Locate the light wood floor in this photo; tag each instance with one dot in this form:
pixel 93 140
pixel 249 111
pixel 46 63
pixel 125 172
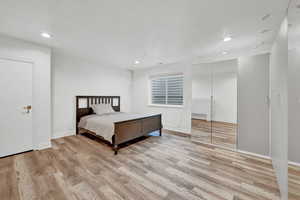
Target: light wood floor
pixel 218 133
pixel 294 182
pixel 167 167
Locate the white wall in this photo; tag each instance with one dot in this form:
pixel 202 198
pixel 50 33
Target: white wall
pixel 40 56
pixel 73 76
pixel 294 105
pixel 253 109
pixel 279 107
pixel 178 119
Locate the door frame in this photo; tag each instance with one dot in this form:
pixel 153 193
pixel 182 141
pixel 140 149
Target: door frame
pixel 29 61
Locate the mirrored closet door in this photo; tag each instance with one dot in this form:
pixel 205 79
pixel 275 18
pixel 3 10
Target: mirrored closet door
pixel 214 104
pixel 224 104
pixel 201 105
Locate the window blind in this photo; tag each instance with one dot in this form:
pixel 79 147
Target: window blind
pixel 167 90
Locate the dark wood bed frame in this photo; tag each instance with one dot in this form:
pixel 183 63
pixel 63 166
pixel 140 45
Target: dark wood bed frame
pixel 125 131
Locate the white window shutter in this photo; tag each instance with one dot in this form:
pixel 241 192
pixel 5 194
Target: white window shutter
pixel 167 90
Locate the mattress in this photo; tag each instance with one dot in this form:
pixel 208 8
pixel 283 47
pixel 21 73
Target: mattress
pixel 103 125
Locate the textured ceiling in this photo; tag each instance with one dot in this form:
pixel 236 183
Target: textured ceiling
pixel 115 33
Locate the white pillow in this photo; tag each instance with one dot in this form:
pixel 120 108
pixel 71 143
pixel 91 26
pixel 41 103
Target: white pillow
pixel 109 108
pixel 101 109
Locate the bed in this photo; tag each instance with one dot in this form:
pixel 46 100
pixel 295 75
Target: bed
pixel 115 128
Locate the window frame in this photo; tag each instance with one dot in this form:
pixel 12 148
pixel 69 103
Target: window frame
pixel 165 76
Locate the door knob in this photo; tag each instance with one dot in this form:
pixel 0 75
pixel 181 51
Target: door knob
pixel 27 108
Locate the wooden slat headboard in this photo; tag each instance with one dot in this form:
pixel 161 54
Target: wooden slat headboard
pixel 92 100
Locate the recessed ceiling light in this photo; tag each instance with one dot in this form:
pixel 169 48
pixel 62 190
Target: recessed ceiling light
pixel 46 35
pixel 227 39
pixel 224 52
pixel 137 62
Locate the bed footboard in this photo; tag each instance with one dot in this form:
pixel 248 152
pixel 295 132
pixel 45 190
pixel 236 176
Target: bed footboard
pixel 132 129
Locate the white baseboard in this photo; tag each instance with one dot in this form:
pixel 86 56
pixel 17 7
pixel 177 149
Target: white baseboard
pixel 44 145
pixel 254 154
pixel 177 130
pixel 294 163
pixel 200 116
pixel 61 134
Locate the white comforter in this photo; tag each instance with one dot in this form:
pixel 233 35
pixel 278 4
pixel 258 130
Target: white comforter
pixel 103 125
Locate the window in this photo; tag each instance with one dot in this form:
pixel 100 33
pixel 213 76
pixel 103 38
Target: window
pixel 167 90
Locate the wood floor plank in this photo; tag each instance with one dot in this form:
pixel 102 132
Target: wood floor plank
pixel 218 133
pixel 8 179
pixel 157 168
pixel 294 182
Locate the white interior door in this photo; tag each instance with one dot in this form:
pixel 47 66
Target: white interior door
pixel 16 100
pixel 253 104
